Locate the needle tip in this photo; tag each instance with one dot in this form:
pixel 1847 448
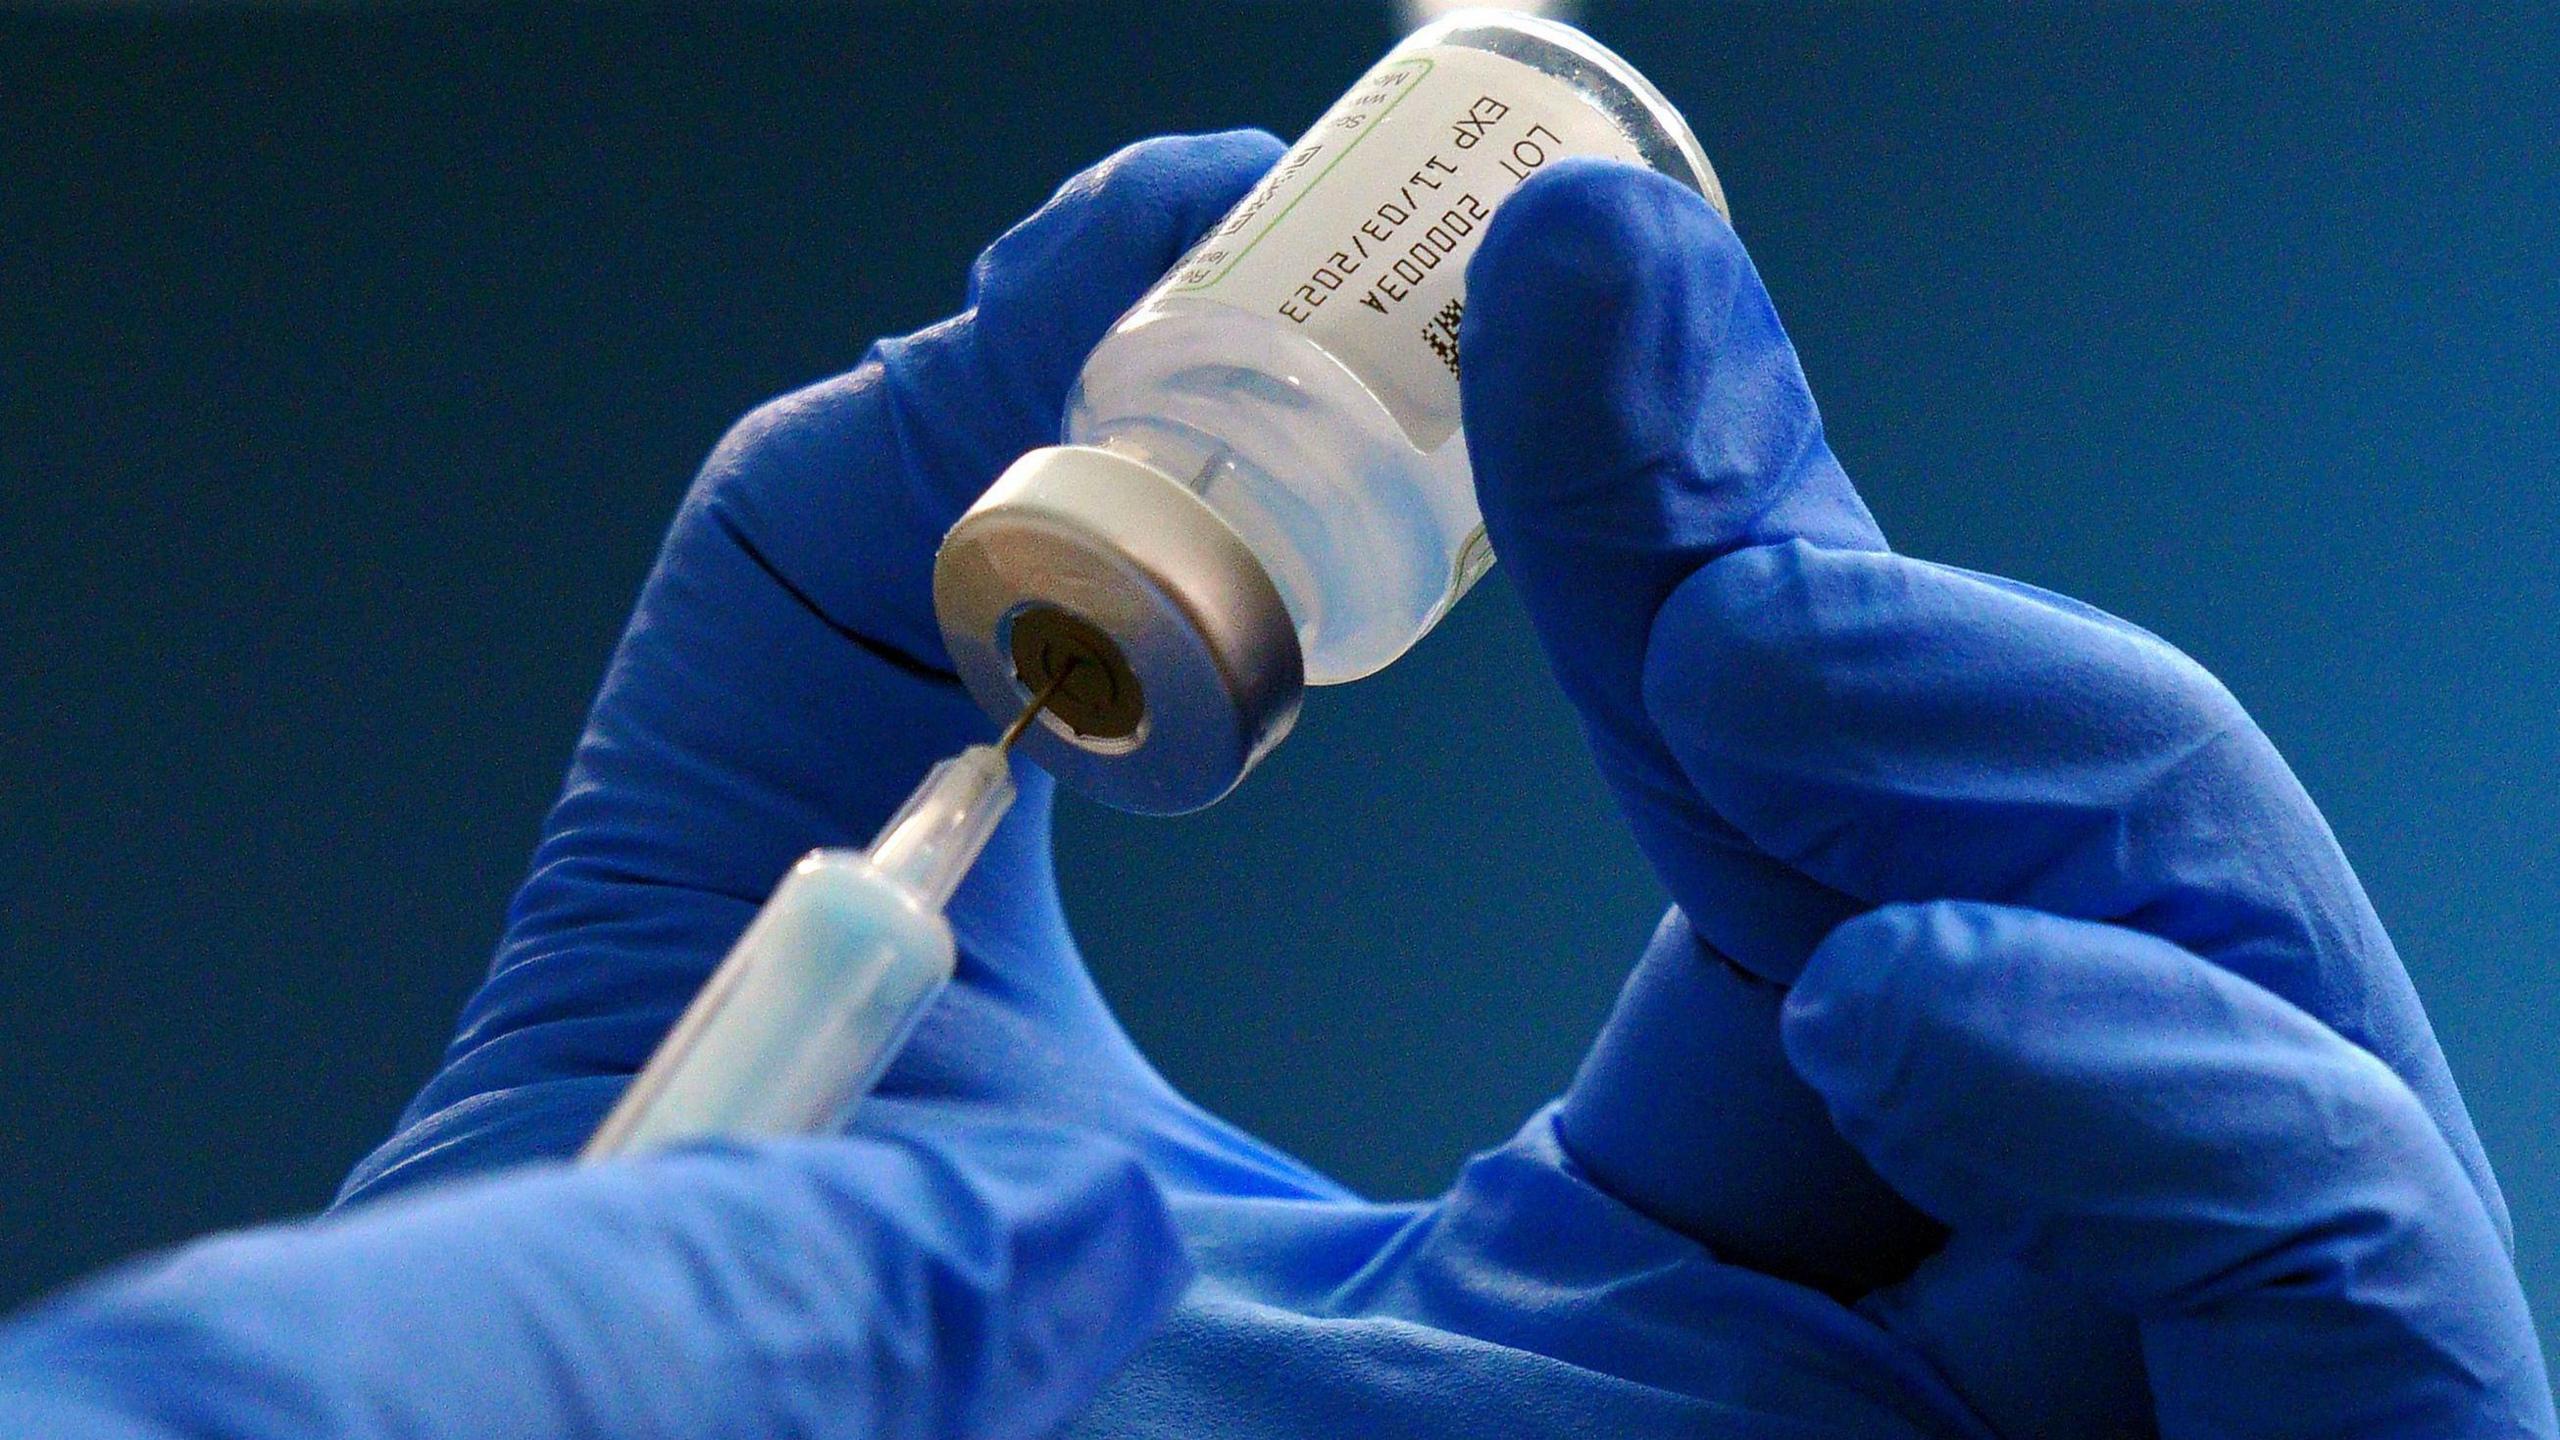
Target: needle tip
pixel 1031 712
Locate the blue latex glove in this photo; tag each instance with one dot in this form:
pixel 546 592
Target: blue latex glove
pixel 2176 1103
pixel 851 1288
pixel 2209 1134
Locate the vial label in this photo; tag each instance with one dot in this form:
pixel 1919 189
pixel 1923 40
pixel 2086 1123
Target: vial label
pixel 1360 236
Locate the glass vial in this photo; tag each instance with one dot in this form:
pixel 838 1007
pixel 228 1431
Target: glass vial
pixel 1264 483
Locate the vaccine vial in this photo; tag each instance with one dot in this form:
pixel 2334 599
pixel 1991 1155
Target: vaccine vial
pixel 1264 483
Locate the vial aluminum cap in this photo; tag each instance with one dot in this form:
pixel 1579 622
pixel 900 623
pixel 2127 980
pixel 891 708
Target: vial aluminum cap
pixel 1181 664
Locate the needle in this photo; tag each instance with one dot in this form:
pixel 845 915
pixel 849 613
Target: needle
pixel 1038 703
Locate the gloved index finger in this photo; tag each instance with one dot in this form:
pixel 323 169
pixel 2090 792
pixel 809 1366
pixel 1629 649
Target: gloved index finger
pixel 846 487
pixel 1899 731
pixel 2300 1250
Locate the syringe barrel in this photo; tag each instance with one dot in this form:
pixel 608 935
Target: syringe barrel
pixel 796 1025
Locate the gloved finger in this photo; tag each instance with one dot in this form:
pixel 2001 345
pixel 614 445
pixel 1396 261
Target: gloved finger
pixel 1896 731
pixel 1634 410
pixel 846 487
pixel 809 1289
pixel 1687 1110
pixel 2300 1248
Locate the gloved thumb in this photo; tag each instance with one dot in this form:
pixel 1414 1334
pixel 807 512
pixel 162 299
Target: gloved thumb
pixel 1633 410
pixel 2271 1205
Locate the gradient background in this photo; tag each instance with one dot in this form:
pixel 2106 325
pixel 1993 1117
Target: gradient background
pixel 351 363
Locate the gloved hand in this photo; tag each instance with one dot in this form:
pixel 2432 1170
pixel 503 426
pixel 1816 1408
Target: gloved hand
pixel 813 1287
pixel 2076 965
pixel 2146 1124
pixel 975 1268
pixel 783 686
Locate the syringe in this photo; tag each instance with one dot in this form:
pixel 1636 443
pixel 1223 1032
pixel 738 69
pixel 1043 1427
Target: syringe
pixel 817 996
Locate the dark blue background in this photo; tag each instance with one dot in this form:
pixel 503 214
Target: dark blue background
pixel 351 364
